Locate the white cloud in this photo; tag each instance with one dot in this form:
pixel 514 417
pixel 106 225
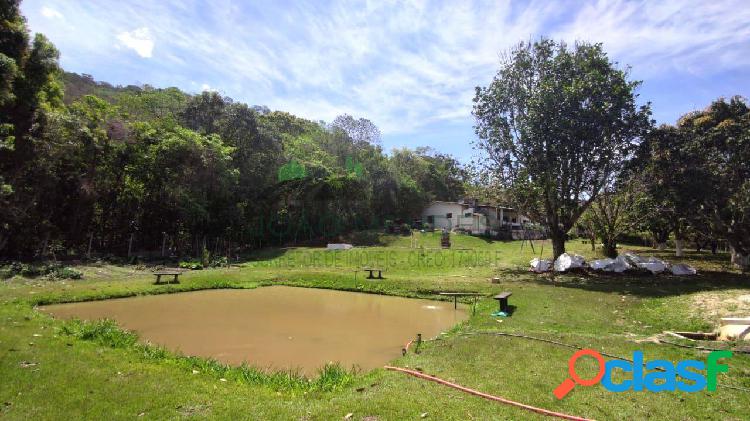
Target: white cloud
pixel 402 64
pixel 669 36
pixel 51 13
pixel 138 40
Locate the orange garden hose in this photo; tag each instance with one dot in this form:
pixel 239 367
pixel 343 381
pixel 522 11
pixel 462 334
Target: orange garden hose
pixel 486 395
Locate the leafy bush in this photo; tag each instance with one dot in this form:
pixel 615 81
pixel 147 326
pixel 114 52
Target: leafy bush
pixel 67 273
pixel 52 270
pixel 405 229
pixel 30 271
pixel 191 265
pixel 219 262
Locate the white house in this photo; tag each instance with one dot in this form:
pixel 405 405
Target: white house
pixel 455 215
pixel 469 215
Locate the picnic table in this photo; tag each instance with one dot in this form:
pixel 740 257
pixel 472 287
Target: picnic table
pixel 455 296
pixel 167 272
pixel 371 270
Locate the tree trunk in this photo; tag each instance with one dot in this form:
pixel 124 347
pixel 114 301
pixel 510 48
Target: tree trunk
pixel 91 239
pixel 678 244
pixel 558 242
pixel 740 260
pixel 609 249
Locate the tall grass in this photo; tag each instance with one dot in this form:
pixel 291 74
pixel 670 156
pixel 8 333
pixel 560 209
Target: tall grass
pixel 330 377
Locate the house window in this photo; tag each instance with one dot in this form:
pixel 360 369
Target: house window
pixel 431 219
pixel 467 214
pixel 449 215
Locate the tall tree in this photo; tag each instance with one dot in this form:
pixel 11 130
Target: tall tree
pixel 359 130
pixel 29 85
pixel 665 169
pixel 612 214
pixel 719 141
pixel 557 123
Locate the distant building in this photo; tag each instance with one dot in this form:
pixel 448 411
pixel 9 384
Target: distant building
pixel 471 216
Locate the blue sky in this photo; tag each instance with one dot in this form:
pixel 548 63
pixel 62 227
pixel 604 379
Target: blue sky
pixel 409 66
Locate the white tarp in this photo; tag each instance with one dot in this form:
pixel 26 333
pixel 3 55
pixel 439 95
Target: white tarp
pixel 683 269
pixel 634 259
pixel 601 264
pixel 619 264
pixel 629 261
pixel 656 266
pixel 566 261
pixel 651 264
pixel 339 246
pixel 539 265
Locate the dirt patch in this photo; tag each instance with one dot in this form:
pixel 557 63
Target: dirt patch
pixel 714 306
pixel 199 410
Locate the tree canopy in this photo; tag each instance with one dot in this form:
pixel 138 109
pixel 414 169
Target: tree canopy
pixel 557 123
pixel 114 168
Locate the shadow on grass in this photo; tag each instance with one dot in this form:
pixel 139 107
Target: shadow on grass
pixel 641 285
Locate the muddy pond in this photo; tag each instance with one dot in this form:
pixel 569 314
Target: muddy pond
pixel 276 327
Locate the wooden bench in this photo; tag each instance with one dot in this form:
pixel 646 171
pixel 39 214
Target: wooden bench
pixel 167 272
pixel 502 299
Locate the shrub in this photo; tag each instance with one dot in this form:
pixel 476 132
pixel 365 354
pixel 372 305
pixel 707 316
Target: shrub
pixel 191 265
pixel 219 262
pixel 30 271
pixel 405 229
pixel 67 273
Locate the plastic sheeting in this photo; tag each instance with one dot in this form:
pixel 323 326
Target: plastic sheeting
pixel 601 264
pixel 651 264
pixel 656 266
pixel 539 265
pixel 618 265
pixel 621 263
pixel 683 269
pixel 566 261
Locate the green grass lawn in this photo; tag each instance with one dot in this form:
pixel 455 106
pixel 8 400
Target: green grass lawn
pixel 52 369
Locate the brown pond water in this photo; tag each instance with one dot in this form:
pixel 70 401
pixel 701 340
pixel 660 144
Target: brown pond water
pixel 276 327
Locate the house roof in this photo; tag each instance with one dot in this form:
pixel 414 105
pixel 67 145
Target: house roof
pixel 468 205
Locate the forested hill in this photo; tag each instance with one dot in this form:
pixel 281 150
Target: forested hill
pixel 77 86
pixel 85 165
